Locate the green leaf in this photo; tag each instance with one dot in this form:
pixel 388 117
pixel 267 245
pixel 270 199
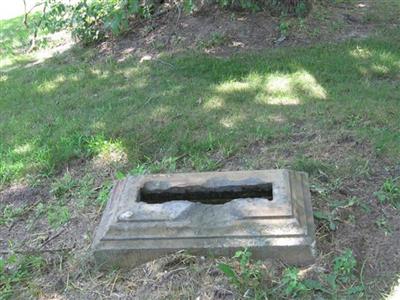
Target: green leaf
pixel 381 197
pixel 326 217
pixel 355 290
pixel 238 254
pixel 134 6
pixel 332 225
pixel 315 285
pixel 331 279
pixel 321 215
pixel 2 265
pixel 228 271
pixel 119 175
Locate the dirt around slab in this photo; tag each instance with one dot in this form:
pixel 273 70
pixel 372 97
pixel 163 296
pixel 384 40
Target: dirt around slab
pixel 376 248
pixel 224 32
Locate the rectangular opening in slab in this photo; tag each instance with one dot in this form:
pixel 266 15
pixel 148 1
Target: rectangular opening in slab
pixel 156 193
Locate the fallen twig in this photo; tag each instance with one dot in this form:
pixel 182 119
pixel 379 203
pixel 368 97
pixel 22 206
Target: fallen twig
pixel 53 237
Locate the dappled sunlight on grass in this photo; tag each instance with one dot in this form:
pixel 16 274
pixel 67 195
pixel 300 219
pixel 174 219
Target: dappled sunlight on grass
pixel 109 151
pixel 279 84
pixel 51 85
pixel 11 63
pixel 379 69
pixel 231 121
pixel 378 64
pixel 275 89
pixel 360 52
pixel 152 110
pixel 132 71
pixel 98 126
pixel 100 73
pixel 298 85
pixel 6 62
pixel 234 87
pixel 282 100
pixel 278 118
pixel 306 83
pixel 23 149
pixel 214 103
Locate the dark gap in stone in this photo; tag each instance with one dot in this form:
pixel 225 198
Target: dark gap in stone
pixel 204 194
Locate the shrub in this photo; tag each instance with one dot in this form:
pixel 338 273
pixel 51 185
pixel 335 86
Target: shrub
pixel 91 21
pixel 16 272
pixel 389 192
pixel 247 277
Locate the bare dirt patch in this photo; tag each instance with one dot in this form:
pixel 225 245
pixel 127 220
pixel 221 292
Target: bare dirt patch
pixel 224 32
pixel 71 272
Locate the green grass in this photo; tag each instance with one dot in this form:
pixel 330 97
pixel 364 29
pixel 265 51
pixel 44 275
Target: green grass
pixel 389 192
pixel 8 213
pixel 383 11
pixel 58 216
pixel 16 270
pixel 180 112
pixel 342 282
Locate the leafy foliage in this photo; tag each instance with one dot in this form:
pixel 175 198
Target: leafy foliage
pixel 340 282
pixel 16 270
pixel 292 284
pixel 247 277
pixel 94 20
pixel 90 20
pixel 389 192
pixel 344 266
pixel 332 217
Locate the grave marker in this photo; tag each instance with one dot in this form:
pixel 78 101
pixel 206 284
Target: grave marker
pixel 208 213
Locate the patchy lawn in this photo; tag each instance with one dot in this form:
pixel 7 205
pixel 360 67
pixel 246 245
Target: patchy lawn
pixel 72 123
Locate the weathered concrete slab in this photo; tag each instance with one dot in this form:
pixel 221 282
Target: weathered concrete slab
pixel 208 213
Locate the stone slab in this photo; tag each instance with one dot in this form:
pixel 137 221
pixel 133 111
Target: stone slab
pixel 215 213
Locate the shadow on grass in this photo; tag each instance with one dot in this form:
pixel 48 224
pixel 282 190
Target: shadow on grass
pixel 195 106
